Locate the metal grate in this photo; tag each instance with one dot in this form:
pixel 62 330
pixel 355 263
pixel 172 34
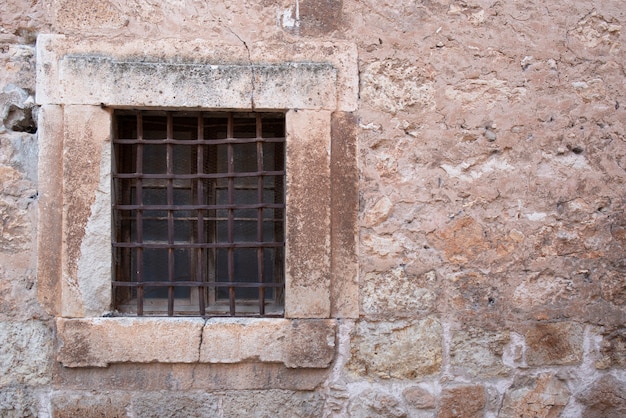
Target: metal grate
pixel 198 213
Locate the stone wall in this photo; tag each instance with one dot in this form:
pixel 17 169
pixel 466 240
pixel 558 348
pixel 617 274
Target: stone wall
pixel 492 231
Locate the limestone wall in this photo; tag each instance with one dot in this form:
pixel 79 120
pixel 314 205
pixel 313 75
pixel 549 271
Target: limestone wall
pixel 491 141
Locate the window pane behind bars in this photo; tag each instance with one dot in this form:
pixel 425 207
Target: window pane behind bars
pixel 199 213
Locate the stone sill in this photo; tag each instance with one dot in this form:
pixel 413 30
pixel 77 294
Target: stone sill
pixel 98 342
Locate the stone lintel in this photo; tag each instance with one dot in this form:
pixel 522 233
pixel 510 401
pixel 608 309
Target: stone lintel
pixel 98 342
pixel 196 73
pixel 93 80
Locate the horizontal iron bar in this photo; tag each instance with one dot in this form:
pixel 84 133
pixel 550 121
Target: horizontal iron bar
pixel 197 284
pixel 165 176
pixel 199 207
pixel 199 245
pixel 165 141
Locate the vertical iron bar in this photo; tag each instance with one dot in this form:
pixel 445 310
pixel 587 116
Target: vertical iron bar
pixel 200 214
pixel 170 215
pixel 259 229
pixel 139 213
pixel 231 215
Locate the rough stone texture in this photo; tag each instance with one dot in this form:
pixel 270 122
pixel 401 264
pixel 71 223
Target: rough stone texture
pixel 490 144
pixel 605 398
pixel 479 353
pixel 17 402
pixel 543 396
pixel 269 403
pixel 613 350
pixel 372 403
pixel 25 353
pixel 100 341
pixel 462 401
pixel 401 349
pixel 174 404
pixel 196 376
pixel 65 404
pixel 307 269
pixel 553 344
pixel 344 196
pixel 396 294
pixel 97 342
pixel 419 398
pixel 297 344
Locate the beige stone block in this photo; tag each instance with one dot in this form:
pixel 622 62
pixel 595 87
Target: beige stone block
pixel 25 353
pixel 376 403
pixel 479 352
pixel 86 211
pixel 551 344
pixel 310 343
pixel 606 398
pixel 543 396
pixel 282 76
pixel 174 403
pixel 188 376
pixel 93 80
pixel 236 340
pixel 418 397
pixel 272 403
pixel 400 349
pixel 398 294
pixel 296 343
pixel 50 221
pixel 344 212
pixel 307 267
pixel 65 404
pixel 101 341
pixel 462 401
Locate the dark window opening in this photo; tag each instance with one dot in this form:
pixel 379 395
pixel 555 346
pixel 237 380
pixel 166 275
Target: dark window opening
pixel 198 213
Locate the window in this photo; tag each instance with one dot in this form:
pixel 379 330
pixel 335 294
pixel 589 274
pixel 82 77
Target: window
pixel 113 180
pixel 198 213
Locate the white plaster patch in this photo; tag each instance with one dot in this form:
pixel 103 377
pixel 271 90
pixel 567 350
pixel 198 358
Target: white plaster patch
pixel 536 216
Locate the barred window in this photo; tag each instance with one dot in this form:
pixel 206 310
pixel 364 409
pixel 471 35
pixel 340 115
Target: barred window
pixel 198 213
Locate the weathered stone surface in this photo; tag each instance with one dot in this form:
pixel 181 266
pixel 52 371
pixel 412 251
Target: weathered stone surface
pixel 554 344
pixel 307 266
pixel 465 401
pixel 25 353
pixel 543 396
pixel 478 352
pixel 606 398
pixel 393 85
pixel 419 398
pixel 344 197
pixel 401 349
pixel 100 341
pixel 613 349
pixel 16 109
pixel 297 344
pixel 18 402
pixel 193 376
pixel 310 343
pixel 396 294
pixel 372 403
pixel 268 403
pixel 172 404
pixel 66 404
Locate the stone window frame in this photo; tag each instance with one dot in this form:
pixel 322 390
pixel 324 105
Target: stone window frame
pixel 80 82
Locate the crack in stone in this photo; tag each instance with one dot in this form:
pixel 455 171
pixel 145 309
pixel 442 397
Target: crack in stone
pixel 252 85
